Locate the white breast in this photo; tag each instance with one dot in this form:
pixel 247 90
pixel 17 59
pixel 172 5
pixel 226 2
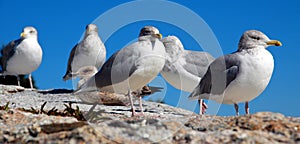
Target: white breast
pixel 181 79
pixel 90 52
pixel 176 75
pixel 26 59
pixel 255 74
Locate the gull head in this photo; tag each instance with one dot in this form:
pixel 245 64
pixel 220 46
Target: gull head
pixel 91 29
pixel 29 32
pixel 256 39
pixel 150 31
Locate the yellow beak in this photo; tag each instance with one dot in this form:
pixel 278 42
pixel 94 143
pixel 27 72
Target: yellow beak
pixel 159 36
pixel 22 35
pixel 274 42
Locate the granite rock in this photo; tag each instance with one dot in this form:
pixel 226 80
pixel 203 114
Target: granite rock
pixel 113 124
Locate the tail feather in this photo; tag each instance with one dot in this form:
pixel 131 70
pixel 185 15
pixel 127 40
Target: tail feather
pixel 194 95
pixel 67 76
pixel 197 94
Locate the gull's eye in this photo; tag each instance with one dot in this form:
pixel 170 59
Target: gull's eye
pixel 255 37
pixel 146 32
pixel 31 31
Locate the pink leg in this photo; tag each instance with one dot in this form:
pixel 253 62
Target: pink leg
pixel 141 105
pixel 30 81
pixel 202 106
pixel 131 103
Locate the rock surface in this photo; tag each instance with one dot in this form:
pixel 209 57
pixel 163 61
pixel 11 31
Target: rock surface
pixel 10 89
pixel 113 124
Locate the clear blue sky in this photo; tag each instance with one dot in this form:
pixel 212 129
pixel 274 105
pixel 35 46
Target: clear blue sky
pixel 61 24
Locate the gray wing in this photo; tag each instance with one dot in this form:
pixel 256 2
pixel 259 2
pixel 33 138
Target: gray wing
pixel 7 52
pixel 68 74
pixel 219 75
pixel 197 62
pixel 118 67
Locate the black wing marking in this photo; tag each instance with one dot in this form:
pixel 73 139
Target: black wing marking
pixel 8 51
pixel 68 74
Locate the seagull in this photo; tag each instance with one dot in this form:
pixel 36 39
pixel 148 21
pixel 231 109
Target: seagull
pixel 88 52
pixel 130 68
pixel 184 68
pixel 240 76
pixel 22 56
